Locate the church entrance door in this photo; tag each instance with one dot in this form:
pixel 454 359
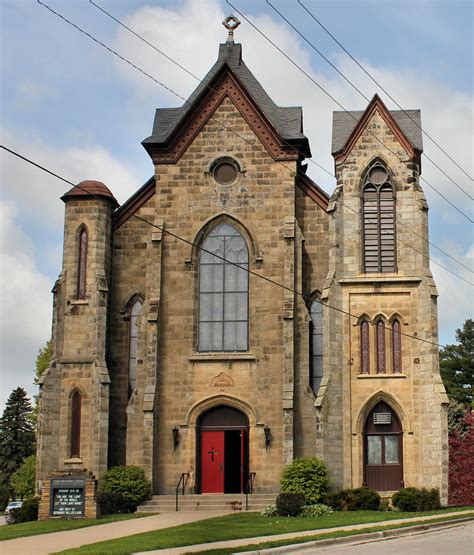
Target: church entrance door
pixel 383 468
pixel 222 451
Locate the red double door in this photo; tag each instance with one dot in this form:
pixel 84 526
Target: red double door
pixel 219 468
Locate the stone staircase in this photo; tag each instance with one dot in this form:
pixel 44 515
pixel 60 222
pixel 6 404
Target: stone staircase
pixel 207 502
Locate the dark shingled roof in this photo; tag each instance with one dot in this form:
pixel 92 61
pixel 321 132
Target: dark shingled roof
pixel 89 188
pixel 288 121
pixel 343 124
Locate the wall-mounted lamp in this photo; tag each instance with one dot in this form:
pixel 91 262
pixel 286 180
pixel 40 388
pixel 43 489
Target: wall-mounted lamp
pixel 176 438
pixel 268 437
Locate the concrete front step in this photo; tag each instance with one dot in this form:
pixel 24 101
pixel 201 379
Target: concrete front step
pixel 209 502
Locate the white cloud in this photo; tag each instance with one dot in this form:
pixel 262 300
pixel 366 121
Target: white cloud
pixel 25 305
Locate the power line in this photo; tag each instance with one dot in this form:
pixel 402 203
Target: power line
pixel 341 106
pixel 380 86
pixel 359 91
pixel 169 58
pixel 304 296
pixel 218 122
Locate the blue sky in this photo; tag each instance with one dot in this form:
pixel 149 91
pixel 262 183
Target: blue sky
pixel 72 106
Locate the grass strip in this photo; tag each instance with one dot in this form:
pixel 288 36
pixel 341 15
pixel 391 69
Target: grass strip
pixel 329 535
pixel 237 526
pixel 12 531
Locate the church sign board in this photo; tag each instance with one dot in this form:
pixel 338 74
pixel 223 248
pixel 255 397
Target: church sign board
pixel 68 497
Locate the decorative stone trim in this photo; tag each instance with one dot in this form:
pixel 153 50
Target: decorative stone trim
pixel 380 376
pixel 219 357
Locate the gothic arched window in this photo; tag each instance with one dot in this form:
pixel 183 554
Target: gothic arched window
pixel 380 346
pixel 364 347
pixel 76 402
pixel 378 201
pixel 396 347
pixel 223 291
pixel 82 264
pixel 316 345
pixel 135 310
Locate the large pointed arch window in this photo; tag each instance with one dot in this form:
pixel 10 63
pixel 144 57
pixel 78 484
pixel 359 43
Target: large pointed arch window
pixel 378 200
pixel 223 291
pixel 316 345
pixel 135 310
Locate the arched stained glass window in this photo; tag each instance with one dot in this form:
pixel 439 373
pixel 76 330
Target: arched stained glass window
pixel 82 264
pixel 316 345
pixel 76 402
pixel 396 347
pixel 364 347
pixel 133 343
pixel 378 200
pixel 380 344
pixel 223 291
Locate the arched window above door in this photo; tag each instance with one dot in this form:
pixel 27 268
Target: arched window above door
pixel 378 215
pixel 223 290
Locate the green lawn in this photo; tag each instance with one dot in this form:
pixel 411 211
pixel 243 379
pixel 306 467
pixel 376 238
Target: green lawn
pixel 237 526
pixel 12 531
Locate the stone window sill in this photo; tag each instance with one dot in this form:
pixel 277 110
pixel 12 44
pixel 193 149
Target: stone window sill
pixel 380 376
pixel 198 357
pixel 78 302
pixel 73 460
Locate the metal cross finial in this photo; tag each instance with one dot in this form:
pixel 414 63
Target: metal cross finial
pixel 231 23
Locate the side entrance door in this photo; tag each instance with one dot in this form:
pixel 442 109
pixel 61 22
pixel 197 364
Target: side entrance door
pixel 212 461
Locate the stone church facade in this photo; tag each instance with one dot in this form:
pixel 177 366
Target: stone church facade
pixel 231 316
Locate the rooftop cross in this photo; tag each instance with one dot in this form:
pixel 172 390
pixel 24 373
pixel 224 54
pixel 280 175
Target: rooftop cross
pixel 231 23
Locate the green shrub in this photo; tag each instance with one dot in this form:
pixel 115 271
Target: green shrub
pixel 315 511
pixel 112 503
pixel 269 510
pixel 414 499
pixel 289 504
pixel 130 481
pixel 27 513
pixel 308 476
pixel 354 500
pixel 385 505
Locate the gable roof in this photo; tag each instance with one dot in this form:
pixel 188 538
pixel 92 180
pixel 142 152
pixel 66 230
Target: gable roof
pixel 286 121
pixel 345 125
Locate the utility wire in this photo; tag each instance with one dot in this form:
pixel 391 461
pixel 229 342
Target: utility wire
pixel 169 58
pixel 380 86
pixel 304 296
pixel 223 125
pixel 359 91
pixel 341 106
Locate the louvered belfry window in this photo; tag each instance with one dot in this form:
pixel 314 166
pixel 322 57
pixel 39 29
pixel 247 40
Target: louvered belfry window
pixel 378 200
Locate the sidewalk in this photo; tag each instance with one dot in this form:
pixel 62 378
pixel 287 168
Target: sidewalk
pixel 44 544
pixel 291 535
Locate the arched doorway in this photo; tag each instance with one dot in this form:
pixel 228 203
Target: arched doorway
pixel 222 450
pixel 383 449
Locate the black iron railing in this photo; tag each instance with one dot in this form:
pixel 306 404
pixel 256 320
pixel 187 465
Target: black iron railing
pixel 249 488
pixel 182 482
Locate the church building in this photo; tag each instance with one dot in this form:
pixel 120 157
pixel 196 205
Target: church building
pixel 231 316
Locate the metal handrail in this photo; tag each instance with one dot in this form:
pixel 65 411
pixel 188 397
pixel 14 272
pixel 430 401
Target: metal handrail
pixel 183 480
pixel 249 488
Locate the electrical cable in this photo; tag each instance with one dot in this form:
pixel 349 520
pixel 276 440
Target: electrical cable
pixel 304 296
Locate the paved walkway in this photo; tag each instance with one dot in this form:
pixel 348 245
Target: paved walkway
pixel 259 539
pixel 44 544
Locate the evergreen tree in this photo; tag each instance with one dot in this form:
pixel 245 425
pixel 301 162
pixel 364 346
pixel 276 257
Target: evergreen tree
pixel 17 436
pixel 457 365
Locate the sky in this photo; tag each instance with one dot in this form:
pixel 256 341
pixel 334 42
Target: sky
pixel 72 106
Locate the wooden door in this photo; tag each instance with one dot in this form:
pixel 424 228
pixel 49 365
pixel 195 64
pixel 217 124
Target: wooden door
pixel 212 461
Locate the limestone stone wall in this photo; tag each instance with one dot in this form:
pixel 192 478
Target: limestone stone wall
pixel 79 347
pixel 416 394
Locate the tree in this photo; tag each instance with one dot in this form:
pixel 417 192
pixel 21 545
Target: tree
pixel 22 481
pixel 17 436
pixel 42 360
pixel 461 469
pixel 457 365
